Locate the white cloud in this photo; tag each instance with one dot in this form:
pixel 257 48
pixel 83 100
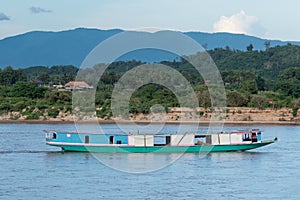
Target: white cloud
pixel 239 23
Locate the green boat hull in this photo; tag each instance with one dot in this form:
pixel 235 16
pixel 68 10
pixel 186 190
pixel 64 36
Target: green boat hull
pixel 161 149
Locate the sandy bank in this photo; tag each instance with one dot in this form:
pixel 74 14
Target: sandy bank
pixel 233 116
pixel 200 123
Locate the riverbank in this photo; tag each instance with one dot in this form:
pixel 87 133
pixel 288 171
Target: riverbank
pixel 143 122
pixel 230 123
pixel 233 116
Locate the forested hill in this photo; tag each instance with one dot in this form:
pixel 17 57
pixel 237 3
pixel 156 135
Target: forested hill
pixel 267 64
pixel 252 78
pixel 40 48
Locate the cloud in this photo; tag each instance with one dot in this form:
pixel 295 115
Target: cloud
pixel 36 10
pixel 4 17
pixel 239 23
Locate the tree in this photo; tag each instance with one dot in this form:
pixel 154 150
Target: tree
pixel 289 82
pixel 260 83
pixel 204 99
pixel 44 77
pixel 250 86
pixel 295 104
pixel 26 89
pixel 9 76
pixel 236 99
pixel 267 45
pixel 250 47
pixel 58 97
pixel 258 101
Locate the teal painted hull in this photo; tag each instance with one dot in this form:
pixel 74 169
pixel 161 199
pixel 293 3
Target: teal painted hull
pixel 162 149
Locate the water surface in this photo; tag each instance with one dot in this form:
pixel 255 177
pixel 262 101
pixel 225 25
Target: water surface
pixel 29 169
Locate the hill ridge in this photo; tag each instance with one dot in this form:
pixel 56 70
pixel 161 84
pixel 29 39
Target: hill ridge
pixel 70 47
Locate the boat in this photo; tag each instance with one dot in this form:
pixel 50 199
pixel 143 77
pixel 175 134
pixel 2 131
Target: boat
pixel 157 143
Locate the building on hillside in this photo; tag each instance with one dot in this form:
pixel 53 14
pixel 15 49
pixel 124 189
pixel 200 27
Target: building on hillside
pixel 77 86
pixel 38 82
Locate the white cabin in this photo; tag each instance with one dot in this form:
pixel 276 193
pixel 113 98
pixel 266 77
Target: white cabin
pixel 222 138
pixel 241 137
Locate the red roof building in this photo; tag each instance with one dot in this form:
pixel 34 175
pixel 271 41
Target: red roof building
pixel 77 85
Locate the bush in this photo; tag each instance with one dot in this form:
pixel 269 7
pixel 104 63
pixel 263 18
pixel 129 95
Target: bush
pixel 15 117
pixel 28 110
pixel 201 113
pixel 236 99
pixel 19 106
pixel 5 106
pixel 295 111
pixel 68 108
pixel 34 116
pixel 58 97
pixel 53 112
pixel 258 101
pixel 41 105
pixel 103 113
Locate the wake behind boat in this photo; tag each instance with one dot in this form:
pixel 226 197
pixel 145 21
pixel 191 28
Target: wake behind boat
pixel 145 143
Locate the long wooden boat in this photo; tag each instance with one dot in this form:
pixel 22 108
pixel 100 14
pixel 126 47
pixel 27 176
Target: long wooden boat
pixel 145 143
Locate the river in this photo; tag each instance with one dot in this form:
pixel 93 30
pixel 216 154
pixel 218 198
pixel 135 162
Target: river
pixel 29 169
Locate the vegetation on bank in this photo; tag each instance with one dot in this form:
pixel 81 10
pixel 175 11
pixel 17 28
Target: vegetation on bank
pixel 260 79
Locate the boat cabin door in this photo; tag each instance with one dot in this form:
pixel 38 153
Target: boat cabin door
pixel 111 139
pixel 253 137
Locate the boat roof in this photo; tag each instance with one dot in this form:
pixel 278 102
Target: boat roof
pixel 156 134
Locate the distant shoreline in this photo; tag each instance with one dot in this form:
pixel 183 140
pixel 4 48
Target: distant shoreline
pixel 200 123
pixel 234 116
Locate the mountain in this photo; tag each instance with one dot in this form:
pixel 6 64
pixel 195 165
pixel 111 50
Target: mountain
pixel 234 41
pixel 51 48
pixel 41 48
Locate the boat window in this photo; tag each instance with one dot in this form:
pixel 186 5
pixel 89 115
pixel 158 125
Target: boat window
pixel 246 137
pixel 54 136
pixel 161 140
pixel 119 142
pixel 86 139
pixel 111 139
pixel 199 139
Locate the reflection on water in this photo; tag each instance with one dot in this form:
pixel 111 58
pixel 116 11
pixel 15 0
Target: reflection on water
pixel 137 162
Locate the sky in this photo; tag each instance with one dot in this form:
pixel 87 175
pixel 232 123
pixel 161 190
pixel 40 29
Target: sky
pixel 266 19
